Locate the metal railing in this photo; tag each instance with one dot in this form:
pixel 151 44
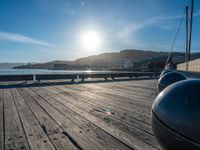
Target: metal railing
pixel 76 76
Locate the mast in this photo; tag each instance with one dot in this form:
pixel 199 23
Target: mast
pixel 191 21
pixel 186 52
pixel 188 34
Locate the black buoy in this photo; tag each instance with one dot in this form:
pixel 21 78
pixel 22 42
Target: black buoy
pixel 176 116
pixel 165 71
pixel 169 78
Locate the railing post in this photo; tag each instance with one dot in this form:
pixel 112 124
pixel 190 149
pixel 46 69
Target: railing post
pixel 34 78
pixel 77 78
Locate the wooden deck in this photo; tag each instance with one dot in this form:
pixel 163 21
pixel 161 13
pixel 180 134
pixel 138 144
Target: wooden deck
pixel 48 116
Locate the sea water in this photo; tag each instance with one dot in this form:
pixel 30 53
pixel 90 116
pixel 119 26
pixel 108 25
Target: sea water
pixel 46 71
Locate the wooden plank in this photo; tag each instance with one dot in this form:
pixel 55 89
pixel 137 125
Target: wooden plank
pixel 90 106
pixel 119 95
pixel 137 113
pixel 129 95
pixel 148 85
pixel 121 85
pixel 78 135
pixel 137 93
pixel 84 106
pixel 1 120
pixel 133 90
pixel 14 133
pixel 53 131
pixel 137 132
pixel 129 98
pixel 36 136
pixel 119 134
pixel 122 89
pixel 102 137
pixel 119 102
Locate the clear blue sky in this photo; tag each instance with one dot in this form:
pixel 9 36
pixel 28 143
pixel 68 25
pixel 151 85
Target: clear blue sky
pixel 46 30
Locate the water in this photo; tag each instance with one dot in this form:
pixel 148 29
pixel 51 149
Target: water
pixel 45 71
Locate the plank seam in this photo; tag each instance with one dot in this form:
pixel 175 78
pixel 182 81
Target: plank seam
pixel 20 119
pixel 106 131
pixel 72 140
pixel 82 117
pixel 96 125
pixel 36 119
pixel 65 116
pixel 43 126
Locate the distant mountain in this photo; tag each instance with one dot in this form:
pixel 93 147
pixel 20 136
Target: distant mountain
pixel 115 60
pixel 106 60
pixel 133 55
pixel 10 65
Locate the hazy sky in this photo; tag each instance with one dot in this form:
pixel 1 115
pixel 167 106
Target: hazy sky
pixel 46 30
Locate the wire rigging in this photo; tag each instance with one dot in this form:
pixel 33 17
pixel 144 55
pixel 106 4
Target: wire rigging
pixel 175 38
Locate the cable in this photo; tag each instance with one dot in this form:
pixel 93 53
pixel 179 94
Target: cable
pixel 172 47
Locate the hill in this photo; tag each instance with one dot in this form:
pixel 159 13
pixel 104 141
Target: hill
pixel 106 61
pixel 10 65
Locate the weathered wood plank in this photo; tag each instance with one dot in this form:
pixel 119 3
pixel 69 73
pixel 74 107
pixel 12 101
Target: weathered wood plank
pixel 91 106
pixel 114 115
pixel 147 85
pixel 102 137
pixel 78 135
pixel 106 95
pixel 14 134
pixel 121 103
pixel 1 121
pixel 124 86
pixel 130 97
pixel 137 132
pixel 119 134
pixel 127 93
pixel 136 93
pixel 137 113
pixel 36 136
pixel 53 131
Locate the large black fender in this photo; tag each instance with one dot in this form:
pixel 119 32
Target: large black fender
pixel 176 116
pixel 170 78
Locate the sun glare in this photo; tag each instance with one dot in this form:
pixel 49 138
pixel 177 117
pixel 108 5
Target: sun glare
pixel 91 40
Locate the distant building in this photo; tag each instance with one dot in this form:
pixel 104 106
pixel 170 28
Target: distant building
pixel 193 66
pixel 154 64
pixel 70 67
pixel 137 66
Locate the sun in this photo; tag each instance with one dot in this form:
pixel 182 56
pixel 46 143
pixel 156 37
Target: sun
pixel 91 40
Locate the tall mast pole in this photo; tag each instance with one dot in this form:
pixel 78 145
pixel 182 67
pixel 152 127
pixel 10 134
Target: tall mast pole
pixel 191 21
pixel 186 53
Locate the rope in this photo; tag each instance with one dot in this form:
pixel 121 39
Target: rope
pixel 174 41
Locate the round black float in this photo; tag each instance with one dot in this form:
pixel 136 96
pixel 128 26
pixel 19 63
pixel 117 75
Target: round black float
pixel 176 116
pixel 165 71
pixel 169 78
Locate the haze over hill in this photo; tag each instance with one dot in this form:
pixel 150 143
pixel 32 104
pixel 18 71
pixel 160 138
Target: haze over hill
pixel 107 61
pixel 10 65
